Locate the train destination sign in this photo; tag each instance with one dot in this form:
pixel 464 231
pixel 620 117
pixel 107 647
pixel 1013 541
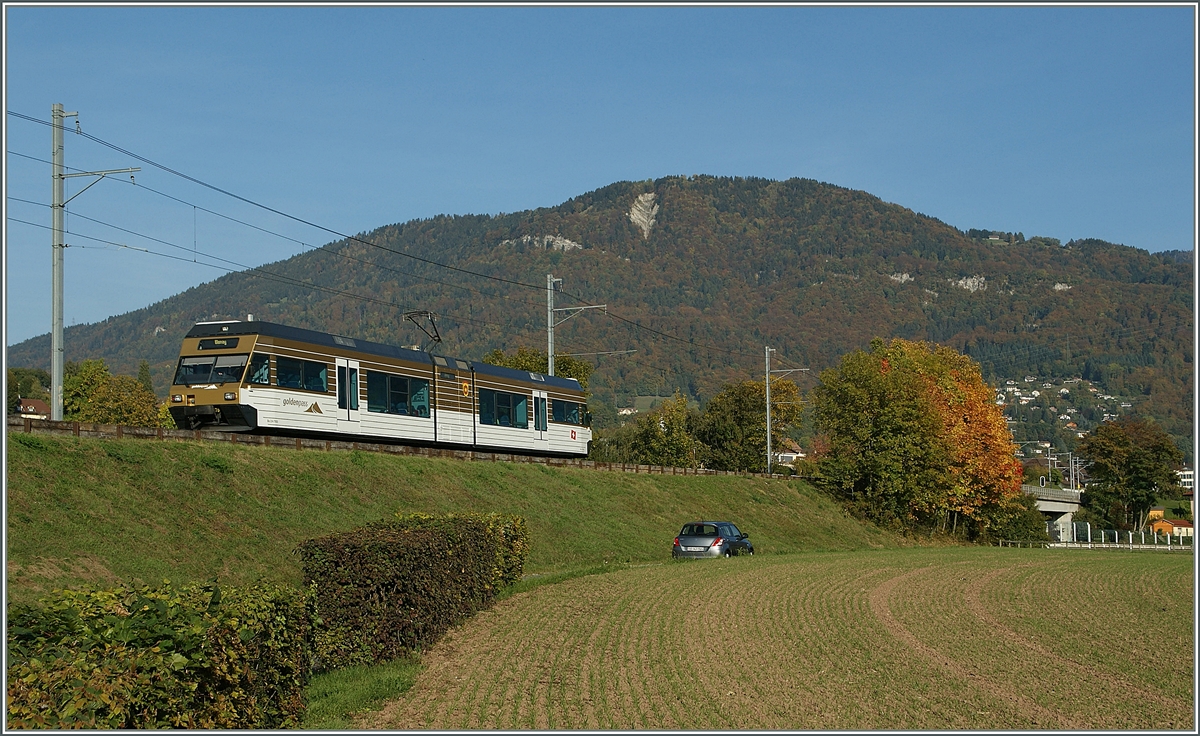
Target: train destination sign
pixel 219 343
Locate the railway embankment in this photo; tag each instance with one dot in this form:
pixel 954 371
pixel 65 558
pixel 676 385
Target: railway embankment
pixel 93 510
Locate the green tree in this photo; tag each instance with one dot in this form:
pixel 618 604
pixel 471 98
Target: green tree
pixel 92 394
pixel 80 383
pixel 1132 461
pixel 734 424
pixel 534 360
pixel 1019 520
pixel 33 383
pixel 664 436
pixel 12 392
pixel 143 376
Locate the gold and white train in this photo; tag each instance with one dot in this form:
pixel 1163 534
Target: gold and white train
pixel 274 379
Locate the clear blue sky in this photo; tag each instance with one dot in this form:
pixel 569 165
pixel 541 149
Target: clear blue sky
pixel 1067 122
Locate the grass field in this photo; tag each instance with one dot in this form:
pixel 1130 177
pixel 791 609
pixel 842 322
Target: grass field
pixel 963 638
pixel 85 512
pixel 836 625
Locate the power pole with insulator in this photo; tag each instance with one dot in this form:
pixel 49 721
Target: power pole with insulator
pixel 767 353
pixel 58 244
pixel 551 324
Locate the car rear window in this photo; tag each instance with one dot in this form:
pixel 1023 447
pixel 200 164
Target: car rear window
pixel 698 530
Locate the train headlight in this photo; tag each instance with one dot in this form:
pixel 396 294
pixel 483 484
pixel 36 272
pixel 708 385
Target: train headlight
pixel 177 399
pixel 230 396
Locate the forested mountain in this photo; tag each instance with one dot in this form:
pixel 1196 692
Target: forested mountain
pixel 725 266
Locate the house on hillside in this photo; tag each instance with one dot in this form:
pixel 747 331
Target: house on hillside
pixel 1156 512
pixel 790 453
pixel 1172 527
pixel 34 409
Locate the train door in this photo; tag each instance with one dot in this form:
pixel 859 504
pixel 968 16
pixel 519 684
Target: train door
pixel 347 394
pixel 540 425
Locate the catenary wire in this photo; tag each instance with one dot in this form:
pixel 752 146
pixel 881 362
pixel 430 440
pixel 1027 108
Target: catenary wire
pixel 322 248
pixel 256 271
pixel 267 208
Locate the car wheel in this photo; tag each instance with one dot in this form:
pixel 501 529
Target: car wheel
pixel 728 552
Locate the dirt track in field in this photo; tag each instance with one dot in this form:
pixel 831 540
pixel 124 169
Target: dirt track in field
pixel 917 639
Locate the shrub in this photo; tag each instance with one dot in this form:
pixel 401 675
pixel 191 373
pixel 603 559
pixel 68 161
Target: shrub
pixel 389 588
pixel 192 657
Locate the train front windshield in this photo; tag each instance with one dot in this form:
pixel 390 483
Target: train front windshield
pixel 210 369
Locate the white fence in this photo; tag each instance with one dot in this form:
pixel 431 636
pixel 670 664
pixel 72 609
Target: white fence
pixel 1083 536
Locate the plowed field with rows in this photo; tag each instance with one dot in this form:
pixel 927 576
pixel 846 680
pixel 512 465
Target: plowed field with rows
pixel 893 639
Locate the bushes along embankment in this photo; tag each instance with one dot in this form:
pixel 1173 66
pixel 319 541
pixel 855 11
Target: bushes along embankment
pixel 391 587
pixel 206 657
pixel 191 657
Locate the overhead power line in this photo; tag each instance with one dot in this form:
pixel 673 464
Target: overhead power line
pixel 323 248
pixel 255 271
pixel 633 323
pixel 272 210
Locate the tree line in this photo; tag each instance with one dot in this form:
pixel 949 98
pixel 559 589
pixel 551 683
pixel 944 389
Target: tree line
pixel 91 393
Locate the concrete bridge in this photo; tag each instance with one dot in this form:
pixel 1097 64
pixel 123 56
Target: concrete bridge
pixel 1058 505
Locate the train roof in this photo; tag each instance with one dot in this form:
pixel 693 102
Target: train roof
pixel 286 332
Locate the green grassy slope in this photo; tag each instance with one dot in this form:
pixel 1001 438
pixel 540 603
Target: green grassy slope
pixel 88 511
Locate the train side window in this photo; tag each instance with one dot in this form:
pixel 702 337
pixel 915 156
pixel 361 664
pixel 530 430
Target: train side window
pixel 398 395
pixel 306 374
pixel 503 409
pixel 314 376
pixel 260 369
pixel 520 411
pixel 287 372
pixel 418 396
pixel 377 392
pixel 566 412
pixel 388 394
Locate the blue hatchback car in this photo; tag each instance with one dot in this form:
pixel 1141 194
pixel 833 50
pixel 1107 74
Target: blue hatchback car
pixel 711 539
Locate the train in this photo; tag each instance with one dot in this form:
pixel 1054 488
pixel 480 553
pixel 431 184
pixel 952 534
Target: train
pixel 267 378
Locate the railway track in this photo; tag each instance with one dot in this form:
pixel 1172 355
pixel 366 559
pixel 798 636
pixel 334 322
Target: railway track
pixel 29 425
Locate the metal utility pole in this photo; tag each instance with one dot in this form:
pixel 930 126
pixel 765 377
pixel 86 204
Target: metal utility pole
pixel 551 324
pixel 57 244
pixel 767 354
pixel 550 281
pixel 56 261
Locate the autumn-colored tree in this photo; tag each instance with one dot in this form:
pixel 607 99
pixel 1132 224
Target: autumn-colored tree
pixel 532 359
pixel 734 424
pixel 915 436
pixel 983 470
pixel 1132 461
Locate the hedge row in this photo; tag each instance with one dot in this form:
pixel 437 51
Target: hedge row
pixel 392 587
pixel 211 657
pixel 191 657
